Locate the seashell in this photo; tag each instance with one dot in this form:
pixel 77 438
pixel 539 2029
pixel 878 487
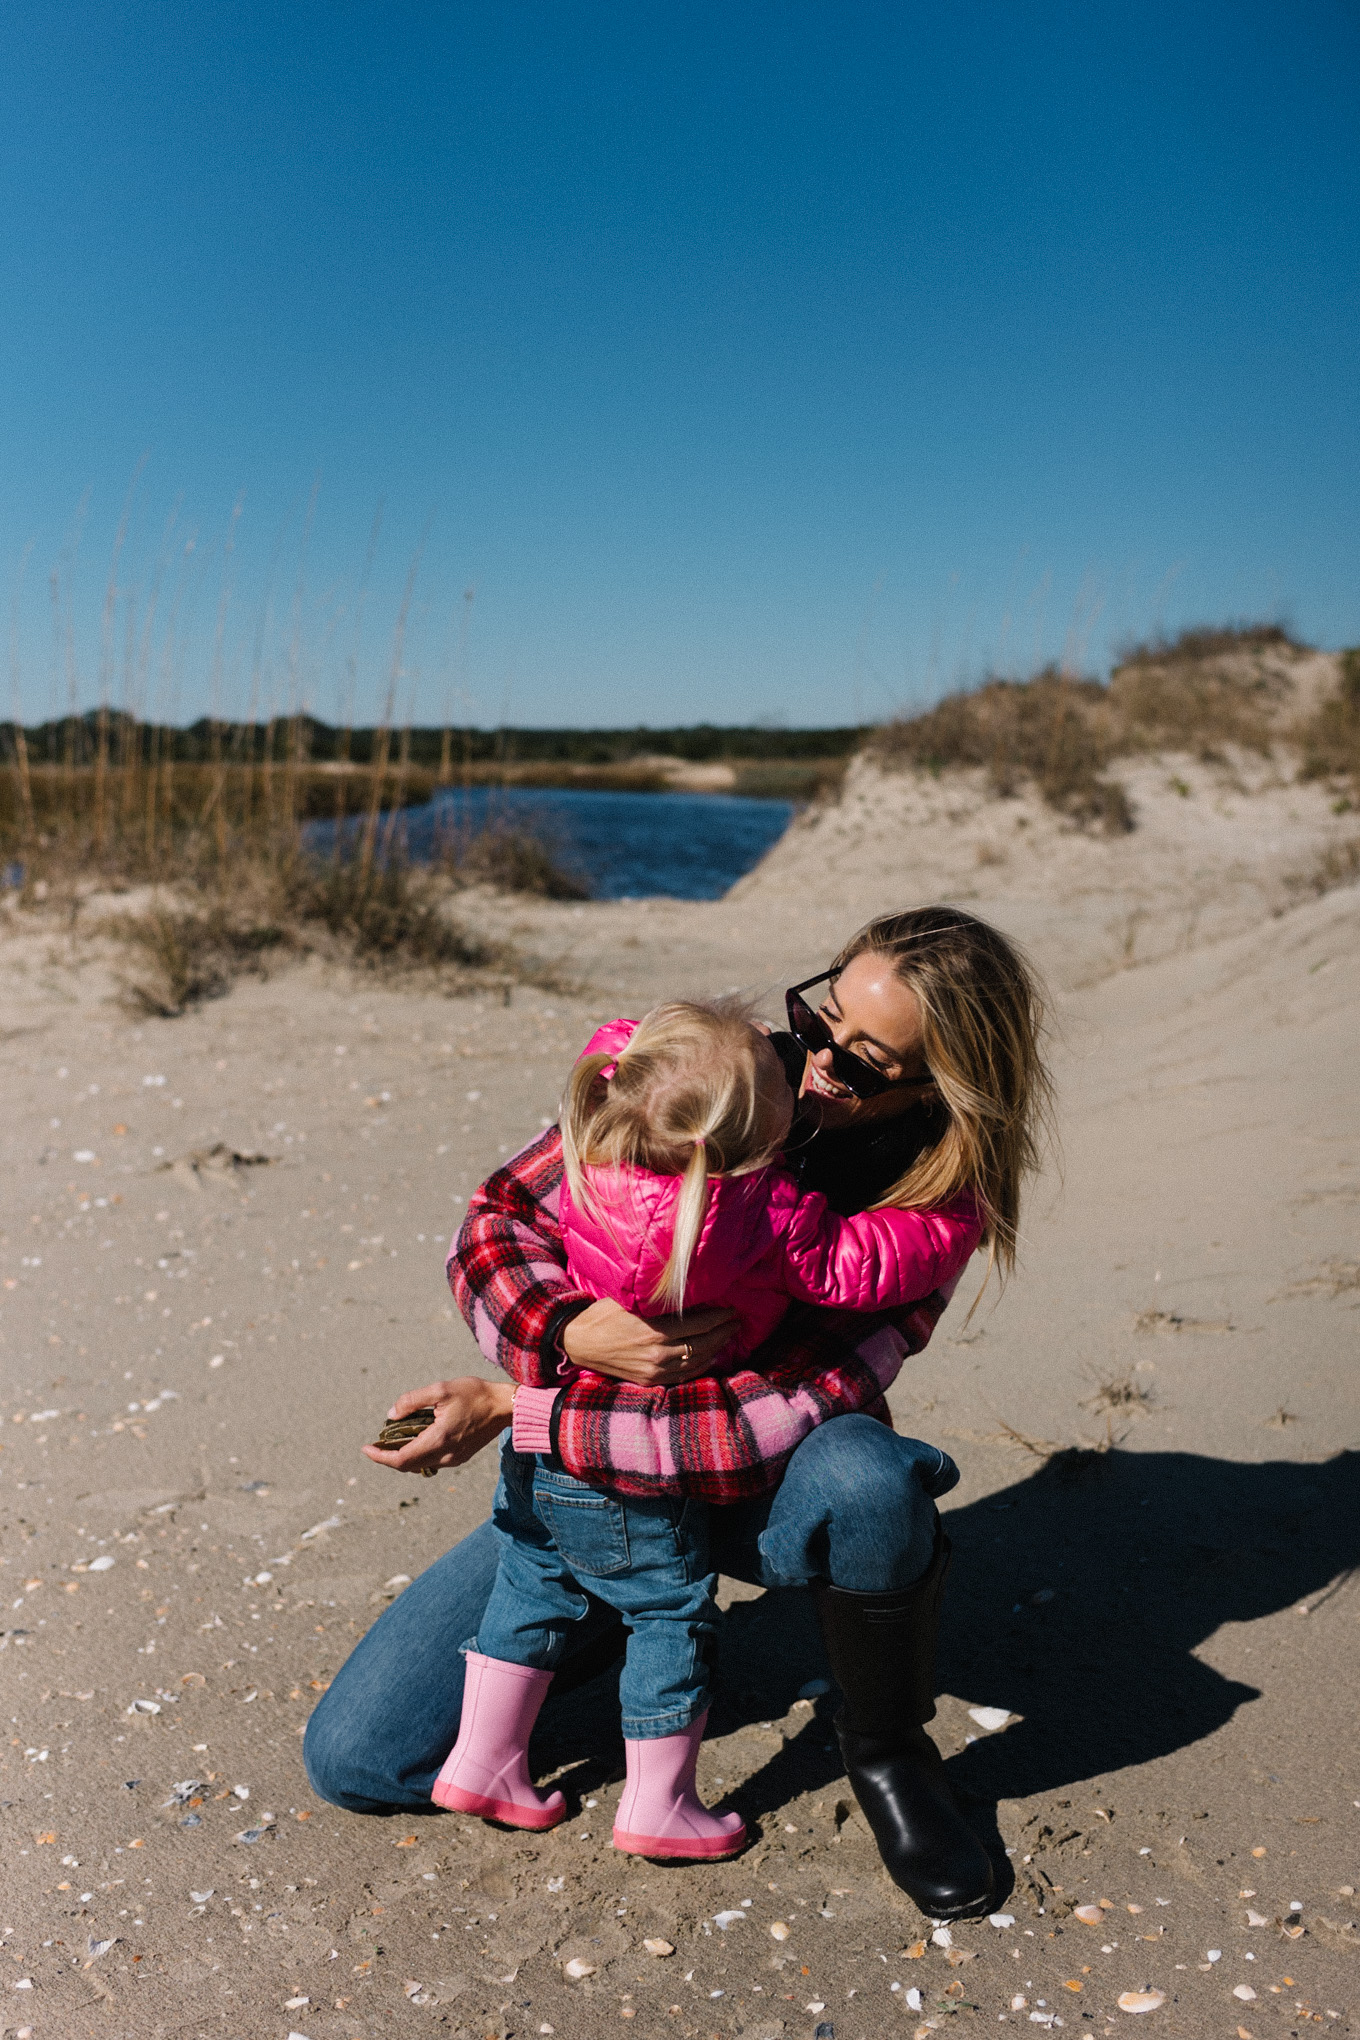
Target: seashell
pixel 1089 1915
pixel 915 1952
pixel 990 1718
pixel 659 1947
pixel 1141 2000
pixel 1001 1920
pixel 779 1930
pixel 1255 1919
pixel 577 1968
pixel 724 1920
pixel 1245 1992
pixel 942 1938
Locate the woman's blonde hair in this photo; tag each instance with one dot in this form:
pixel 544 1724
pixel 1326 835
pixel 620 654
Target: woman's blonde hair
pixel 685 1099
pixel 984 1026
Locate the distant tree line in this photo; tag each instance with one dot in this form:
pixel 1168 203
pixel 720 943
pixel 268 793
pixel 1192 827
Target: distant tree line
pixel 76 739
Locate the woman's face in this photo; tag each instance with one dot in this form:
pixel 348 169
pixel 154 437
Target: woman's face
pixel 873 1014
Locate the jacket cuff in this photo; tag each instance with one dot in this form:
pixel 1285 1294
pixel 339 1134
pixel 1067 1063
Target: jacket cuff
pixel 555 1362
pixel 531 1430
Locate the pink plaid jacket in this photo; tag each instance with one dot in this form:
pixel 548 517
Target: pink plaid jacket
pixel 720 1438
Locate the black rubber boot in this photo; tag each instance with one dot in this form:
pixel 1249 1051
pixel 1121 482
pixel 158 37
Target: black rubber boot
pixel 882 1652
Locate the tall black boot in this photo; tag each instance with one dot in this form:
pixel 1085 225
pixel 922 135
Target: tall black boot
pixel 882 1652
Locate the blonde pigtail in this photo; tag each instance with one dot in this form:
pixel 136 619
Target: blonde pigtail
pixel 690 1210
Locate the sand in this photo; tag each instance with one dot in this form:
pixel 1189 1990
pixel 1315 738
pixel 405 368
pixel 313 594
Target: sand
pixel 221 1245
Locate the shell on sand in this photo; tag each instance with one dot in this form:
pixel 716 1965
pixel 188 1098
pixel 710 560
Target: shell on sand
pixel 1141 2000
pixel 1090 1915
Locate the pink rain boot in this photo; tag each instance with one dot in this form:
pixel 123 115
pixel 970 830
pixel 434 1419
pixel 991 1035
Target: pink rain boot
pixel 487 1771
pixel 661 1814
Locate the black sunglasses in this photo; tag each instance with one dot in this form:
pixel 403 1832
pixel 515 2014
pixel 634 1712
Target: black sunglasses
pixel 811 1032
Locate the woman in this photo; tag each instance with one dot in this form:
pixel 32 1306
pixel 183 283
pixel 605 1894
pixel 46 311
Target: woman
pixel 921 1075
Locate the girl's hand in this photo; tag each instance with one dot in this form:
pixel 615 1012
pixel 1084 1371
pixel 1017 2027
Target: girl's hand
pixel 652 1352
pixel 468 1415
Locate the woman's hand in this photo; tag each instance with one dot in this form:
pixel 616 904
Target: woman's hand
pixel 468 1414
pixel 653 1352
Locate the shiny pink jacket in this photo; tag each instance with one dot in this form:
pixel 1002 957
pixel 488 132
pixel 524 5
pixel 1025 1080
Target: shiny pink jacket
pixel 764 1244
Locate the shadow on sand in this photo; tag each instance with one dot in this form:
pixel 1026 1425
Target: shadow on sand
pixel 1077 1599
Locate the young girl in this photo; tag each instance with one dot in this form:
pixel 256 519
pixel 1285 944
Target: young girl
pixel 675 1197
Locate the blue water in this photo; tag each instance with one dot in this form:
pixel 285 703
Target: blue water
pixel 691 846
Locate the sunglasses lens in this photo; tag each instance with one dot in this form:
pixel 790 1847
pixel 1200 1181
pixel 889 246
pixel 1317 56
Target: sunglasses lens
pixel 811 1032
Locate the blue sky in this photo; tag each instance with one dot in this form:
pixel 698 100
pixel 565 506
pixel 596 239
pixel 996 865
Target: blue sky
pixel 746 361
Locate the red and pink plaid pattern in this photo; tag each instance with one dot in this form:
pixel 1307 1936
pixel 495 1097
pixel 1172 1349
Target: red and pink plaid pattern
pixel 721 1438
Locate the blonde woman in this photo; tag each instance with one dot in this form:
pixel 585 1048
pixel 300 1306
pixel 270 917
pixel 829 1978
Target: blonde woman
pixel 920 1076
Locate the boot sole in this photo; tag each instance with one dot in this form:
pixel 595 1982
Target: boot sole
pixel 671 1848
pixel 455 1800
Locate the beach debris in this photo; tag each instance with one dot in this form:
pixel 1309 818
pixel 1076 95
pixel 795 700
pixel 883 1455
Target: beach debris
pixel 1140 2000
pixel 1001 1920
pixel 187 1789
pixel 780 1930
pixel 915 1952
pixel 331 1523
pixel 94 1949
pixel 913 1999
pixel 254 1834
pixel 101 1564
pixel 556 1883
pixel 1245 1992
pixel 1019 2003
pixel 990 1719
pixel 201 1897
pixel 577 1968
pixel 724 1920
pixel 144 1707
pixel 657 1946
pixel 1213 1954
pixel 1255 1919
pixel 295 2004
pixel 1089 1915
pixel 241 1791
pixel 942 1938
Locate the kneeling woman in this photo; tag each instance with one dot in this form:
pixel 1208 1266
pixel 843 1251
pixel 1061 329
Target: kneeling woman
pixel 921 1079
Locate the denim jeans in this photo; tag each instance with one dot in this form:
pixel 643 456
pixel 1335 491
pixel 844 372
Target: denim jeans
pixel 856 1507
pixel 647 1558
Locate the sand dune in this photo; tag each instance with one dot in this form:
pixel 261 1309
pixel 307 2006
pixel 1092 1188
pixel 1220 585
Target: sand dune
pixel 1156 1528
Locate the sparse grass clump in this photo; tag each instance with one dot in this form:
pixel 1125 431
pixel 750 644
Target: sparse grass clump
pixel 1053 730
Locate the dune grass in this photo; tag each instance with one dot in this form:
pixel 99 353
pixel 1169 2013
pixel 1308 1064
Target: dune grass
pixel 1202 693
pixel 239 887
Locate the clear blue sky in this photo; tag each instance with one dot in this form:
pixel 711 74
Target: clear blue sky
pixel 746 360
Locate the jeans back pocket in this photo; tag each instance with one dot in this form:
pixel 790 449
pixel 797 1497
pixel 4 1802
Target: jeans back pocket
pixel 588 1528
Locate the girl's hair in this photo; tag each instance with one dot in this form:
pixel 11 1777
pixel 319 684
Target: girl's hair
pixel 984 1027
pixel 685 1099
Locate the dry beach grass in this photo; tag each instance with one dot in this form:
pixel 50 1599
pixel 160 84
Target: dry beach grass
pixel 221 1243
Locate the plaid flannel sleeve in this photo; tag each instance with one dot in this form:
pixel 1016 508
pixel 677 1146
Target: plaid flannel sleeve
pixel 507 1267
pixel 725 1438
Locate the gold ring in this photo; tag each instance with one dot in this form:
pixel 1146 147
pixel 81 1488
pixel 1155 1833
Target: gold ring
pixel 689 1352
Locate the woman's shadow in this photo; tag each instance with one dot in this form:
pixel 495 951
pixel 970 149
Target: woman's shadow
pixel 1076 1600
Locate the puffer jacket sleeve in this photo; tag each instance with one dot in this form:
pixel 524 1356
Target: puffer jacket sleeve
pixel 875 1260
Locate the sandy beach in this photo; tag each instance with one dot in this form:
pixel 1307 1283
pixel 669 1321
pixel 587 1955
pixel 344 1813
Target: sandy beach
pixel 222 1245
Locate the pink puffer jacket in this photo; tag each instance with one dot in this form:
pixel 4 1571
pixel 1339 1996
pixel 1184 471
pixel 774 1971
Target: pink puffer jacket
pixel 764 1243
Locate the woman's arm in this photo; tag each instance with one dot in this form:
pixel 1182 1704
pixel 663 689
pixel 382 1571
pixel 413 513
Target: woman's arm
pixel 726 1438
pixel 875 1260
pixel 507 1266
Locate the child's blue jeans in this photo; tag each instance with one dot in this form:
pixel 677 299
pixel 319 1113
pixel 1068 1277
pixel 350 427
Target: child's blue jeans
pixel 647 1558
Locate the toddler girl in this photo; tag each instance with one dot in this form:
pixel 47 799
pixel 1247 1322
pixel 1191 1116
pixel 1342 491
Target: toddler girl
pixel 674 1198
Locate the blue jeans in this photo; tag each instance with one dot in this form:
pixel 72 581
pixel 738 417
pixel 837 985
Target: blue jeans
pixel 646 1558
pixel 856 1507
